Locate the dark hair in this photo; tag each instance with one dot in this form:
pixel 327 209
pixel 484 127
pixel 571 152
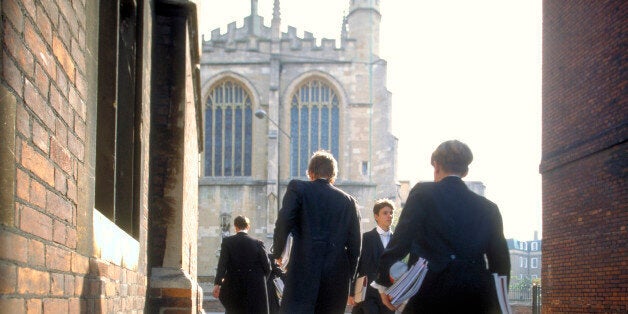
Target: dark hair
pixel 323 165
pixel 241 222
pixel 453 156
pixel 381 203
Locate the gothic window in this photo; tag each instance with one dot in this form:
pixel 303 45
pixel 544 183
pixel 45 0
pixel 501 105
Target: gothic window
pixel 314 123
pixel 228 128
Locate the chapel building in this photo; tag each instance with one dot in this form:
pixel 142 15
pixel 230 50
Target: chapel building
pixel 271 99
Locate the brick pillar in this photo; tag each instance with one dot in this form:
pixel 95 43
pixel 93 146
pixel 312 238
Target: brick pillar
pixel 174 291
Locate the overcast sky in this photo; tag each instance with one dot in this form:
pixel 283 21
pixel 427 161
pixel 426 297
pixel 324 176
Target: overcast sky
pixel 460 69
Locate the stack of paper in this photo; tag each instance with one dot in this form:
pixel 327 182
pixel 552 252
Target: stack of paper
pixel 285 256
pixel 360 289
pixel 278 288
pixel 408 284
pixel 501 285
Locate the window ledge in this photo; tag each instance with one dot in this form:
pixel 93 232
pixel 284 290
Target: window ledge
pixel 114 245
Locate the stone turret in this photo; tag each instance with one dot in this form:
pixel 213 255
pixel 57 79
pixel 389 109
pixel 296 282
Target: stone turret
pixel 254 22
pixel 363 25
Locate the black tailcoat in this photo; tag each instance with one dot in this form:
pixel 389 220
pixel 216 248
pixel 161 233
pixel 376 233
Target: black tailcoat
pixel 325 225
pixel 457 232
pixel 242 270
pixel 372 249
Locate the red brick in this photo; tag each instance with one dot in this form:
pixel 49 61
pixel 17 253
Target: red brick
pixel 36 254
pixel 64 57
pixel 81 86
pixel 79 284
pixel 12 306
pixel 13 247
pixel 96 286
pixel 65 7
pixel 61 106
pixel 38 104
pixel 58 258
pixel 100 305
pixel 12 11
pixel 38 194
pixel 79 8
pixel 59 232
pixel 79 127
pixel 72 191
pixel 78 56
pixel 8 273
pixel 38 164
pixel 35 222
pixel 60 182
pixel 56 306
pixel 71 239
pixel 41 138
pixel 22 182
pixel 584 148
pixel 39 48
pixel 98 267
pixel 53 11
pixel 76 147
pixel 42 81
pixel 77 103
pixel 75 305
pixel 18 51
pixel 176 293
pixel 61 132
pixel 44 25
pixel 32 281
pixel 57 281
pixel 111 288
pixel 114 272
pixel 14 77
pixel 59 206
pixel 80 264
pixel 29 5
pixel 68 286
pixel 62 81
pixel 34 306
pixel 60 156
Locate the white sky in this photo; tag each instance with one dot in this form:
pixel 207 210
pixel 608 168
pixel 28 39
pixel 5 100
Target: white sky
pixel 459 69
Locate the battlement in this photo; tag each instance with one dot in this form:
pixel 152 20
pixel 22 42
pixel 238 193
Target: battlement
pixel 253 36
pixel 252 26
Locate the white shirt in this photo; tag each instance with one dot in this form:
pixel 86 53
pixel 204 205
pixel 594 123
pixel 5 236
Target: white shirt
pixel 384 235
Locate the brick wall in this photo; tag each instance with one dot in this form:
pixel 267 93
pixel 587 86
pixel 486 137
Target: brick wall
pixel 585 211
pixel 47 262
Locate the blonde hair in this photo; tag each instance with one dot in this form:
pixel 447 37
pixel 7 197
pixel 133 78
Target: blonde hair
pixel 453 156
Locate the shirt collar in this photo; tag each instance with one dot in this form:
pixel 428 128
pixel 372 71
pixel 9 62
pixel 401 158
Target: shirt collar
pixel 381 231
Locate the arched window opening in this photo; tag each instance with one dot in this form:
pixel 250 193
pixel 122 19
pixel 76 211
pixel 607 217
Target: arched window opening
pixel 228 130
pixel 314 123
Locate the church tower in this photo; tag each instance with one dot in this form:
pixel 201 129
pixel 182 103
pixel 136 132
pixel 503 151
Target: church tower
pixel 363 25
